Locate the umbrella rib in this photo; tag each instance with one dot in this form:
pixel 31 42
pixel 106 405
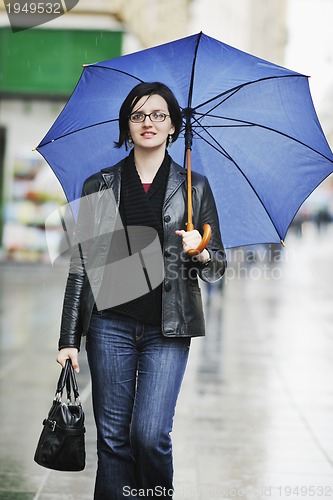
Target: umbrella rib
pixel 227 155
pixel 190 92
pixel 219 149
pixel 116 70
pixel 75 131
pixel 87 67
pixel 244 123
pixel 230 92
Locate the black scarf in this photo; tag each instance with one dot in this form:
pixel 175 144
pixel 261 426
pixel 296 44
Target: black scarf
pixel 138 208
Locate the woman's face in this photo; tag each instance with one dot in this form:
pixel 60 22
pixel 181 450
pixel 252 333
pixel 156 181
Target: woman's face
pixel 149 134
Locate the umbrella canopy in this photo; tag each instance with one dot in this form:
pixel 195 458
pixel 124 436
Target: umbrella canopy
pixel 255 131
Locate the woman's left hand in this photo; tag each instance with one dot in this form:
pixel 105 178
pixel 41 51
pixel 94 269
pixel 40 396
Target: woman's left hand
pixel 191 240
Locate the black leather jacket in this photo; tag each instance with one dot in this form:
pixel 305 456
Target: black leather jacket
pixel 182 313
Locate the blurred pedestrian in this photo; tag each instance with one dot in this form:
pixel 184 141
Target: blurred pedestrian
pixel 138 350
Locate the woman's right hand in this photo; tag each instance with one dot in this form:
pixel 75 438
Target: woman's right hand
pixel 69 353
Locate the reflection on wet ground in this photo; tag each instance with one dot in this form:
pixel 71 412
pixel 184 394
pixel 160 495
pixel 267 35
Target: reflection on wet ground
pixel 254 418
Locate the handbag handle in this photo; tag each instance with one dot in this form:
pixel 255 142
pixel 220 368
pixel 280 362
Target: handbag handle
pixel 63 377
pixel 72 383
pixel 67 377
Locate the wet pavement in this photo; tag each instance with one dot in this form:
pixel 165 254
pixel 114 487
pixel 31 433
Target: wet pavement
pixel 255 415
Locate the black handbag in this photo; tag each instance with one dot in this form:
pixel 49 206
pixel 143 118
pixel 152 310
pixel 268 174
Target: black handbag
pixel 61 445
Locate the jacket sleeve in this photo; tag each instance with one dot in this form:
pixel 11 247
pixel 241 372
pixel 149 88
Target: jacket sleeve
pixel 71 327
pixel 71 330
pixel 215 268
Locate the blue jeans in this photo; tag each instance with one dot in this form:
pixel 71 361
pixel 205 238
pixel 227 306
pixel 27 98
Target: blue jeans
pixel 136 378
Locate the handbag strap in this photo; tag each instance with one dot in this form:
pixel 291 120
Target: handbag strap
pixel 67 377
pixel 63 377
pixel 71 385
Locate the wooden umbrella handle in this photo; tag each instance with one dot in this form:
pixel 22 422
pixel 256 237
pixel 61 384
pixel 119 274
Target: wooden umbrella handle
pixel 189 225
pixel 204 242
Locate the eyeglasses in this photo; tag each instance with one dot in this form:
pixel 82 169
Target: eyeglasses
pixel 155 116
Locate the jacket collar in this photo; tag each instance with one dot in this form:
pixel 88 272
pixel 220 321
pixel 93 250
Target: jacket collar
pixel 112 178
pixel 177 176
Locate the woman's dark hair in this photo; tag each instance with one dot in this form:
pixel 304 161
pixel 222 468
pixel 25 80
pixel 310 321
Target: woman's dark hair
pixel 148 89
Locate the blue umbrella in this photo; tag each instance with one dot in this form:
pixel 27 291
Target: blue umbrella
pixel 251 125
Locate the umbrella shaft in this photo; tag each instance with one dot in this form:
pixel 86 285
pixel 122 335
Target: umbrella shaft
pixel 189 224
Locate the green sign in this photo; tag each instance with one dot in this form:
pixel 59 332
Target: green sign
pixel 48 62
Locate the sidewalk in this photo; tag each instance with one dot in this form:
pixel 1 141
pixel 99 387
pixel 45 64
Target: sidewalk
pixel 255 415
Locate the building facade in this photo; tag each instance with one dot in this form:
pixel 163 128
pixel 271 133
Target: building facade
pixel 255 26
pixel 39 68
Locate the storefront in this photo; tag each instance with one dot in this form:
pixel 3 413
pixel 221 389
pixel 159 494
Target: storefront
pixel 39 69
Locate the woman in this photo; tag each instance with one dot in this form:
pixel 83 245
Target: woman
pixel 138 347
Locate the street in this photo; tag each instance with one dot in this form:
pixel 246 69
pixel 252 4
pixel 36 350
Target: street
pixel 255 416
